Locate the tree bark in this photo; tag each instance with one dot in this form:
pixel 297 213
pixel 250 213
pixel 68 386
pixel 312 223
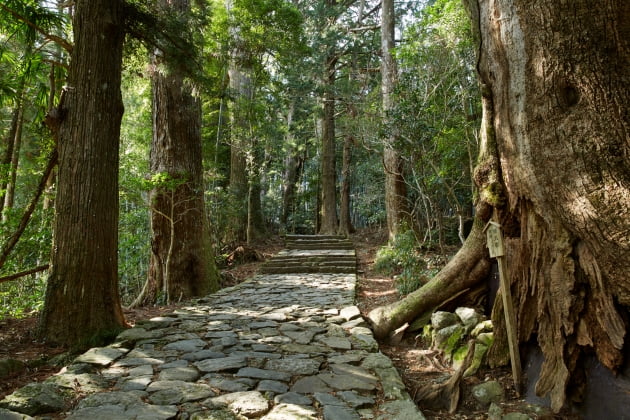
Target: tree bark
pixel 82 303
pixel 557 77
pixel 241 87
pixel 182 261
pixel 9 197
pixel 328 212
pixel 345 220
pixel 396 206
pixel 7 156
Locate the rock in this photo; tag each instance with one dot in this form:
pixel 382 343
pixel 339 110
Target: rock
pixel 393 386
pixel 442 319
pixel 404 409
pixel 350 312
pixel 248 372
pixel 309 385
pixel 486 338
pixel 186 374
pixel 485 326
pixel 36 398
pixel 249 404
pixel 495 412
pixel 272 386
pixel 102 356
pixel 324 398
pixel 469 317
pixel 477 361
pixel 221 364
pixel 135 334
pixel 11 415
pixel 120 405
pixel 215 415
pixel 488 392
pixel 10 366
pixel 376 360
pixel 292 412
pixel 228 385
pixel 88 383
pixel 356 400
pixel 294 365
pixel 346 382
pixel 516 416
pixel 292 398
pixel 341 343
pixel 177 392
pixel 340 412
pixel 448 339
pixel 187 346
pixel 363 339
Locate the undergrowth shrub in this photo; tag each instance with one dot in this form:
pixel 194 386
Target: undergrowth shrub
pixel 403 260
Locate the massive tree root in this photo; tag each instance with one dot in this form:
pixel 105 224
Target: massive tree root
pixel 467 268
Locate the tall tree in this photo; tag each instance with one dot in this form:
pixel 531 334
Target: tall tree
pixel 395 187
pixel 182 263
pixel 82 303
pixel 328 213
pixel 555 76
pixel 554 144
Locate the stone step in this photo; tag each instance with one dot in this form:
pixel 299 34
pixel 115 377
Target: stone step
pixel 327 245
pixel 313 237
pixel 308 269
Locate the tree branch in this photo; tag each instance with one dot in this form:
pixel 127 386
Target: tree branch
pixel 13 240
pixel 54 38
pixel 24 273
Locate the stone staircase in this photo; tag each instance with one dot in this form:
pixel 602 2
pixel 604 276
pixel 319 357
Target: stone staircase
pixel 313 254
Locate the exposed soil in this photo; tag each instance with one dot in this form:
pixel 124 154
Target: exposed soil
pixel 417 364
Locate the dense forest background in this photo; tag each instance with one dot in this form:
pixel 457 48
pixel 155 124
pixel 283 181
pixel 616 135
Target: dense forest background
pixel 262 71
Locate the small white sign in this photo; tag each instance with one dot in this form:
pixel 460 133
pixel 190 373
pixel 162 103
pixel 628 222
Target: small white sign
pixel 494 239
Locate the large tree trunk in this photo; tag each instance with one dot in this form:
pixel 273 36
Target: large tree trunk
pixel 82 304
pixel 182 263
pixel 396 206
pixel 556 74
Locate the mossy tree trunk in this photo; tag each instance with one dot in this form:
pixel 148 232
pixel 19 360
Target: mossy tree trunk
pixel 182 260
pixel 557 75
pixel 555 167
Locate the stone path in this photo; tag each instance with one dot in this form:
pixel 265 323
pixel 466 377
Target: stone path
pixel 288 346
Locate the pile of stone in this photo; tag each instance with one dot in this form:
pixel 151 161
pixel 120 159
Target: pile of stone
pixel 450 332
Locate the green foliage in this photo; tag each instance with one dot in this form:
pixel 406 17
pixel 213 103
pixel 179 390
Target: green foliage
pixel 403 259
pixel 133 228
pixel 436 117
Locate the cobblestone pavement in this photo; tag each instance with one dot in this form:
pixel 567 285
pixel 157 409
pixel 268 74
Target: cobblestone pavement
pixel 277 347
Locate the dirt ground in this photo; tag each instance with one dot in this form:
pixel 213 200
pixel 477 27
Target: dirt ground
pixel 417 364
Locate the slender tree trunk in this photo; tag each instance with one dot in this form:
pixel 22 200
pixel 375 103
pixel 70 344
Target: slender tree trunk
pixel 293 163
pixel 345 221
pixel 395 188
pixel 182 261
pixel 328 166
pixel 9 196
pixel 82 304
pixel 7 156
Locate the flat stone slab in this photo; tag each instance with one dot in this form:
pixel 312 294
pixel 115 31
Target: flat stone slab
pixel 102 356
